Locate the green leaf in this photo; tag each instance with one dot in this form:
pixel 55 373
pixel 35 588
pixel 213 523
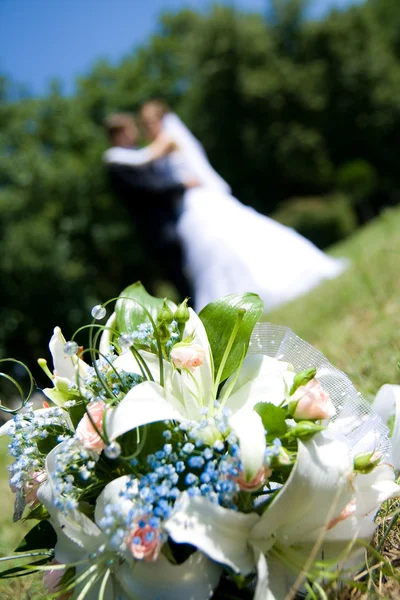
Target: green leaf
pixel 220 318
pixel 39 512
pixel 76 412
pixel 22 571
pixel 304 430
pixel 273 418
pixel 132 305
pixel 39 537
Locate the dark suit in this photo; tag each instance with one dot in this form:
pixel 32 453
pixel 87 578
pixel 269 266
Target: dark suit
pixel 153 199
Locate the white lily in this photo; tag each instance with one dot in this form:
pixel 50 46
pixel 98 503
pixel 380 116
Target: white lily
pixel 220 533
pixel 66 369
pixel 387 405
pixel 323 508
pixel 80 540
pixel 185 395
pixel 313 509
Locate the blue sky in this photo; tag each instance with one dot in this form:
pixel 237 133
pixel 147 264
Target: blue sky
pixel 42 39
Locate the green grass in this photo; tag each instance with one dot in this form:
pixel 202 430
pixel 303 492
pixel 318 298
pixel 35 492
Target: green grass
pixel 354 320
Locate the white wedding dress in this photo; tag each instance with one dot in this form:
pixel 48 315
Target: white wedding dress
pixel 231 248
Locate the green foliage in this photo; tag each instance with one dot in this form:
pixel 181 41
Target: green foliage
pixel 41 536
pixel 322 219
pixel 230 320
pixel 358 179
pixel 273 418
pixel 280 105
pixel 134 306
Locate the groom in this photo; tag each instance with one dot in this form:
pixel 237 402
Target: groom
pixel 153 200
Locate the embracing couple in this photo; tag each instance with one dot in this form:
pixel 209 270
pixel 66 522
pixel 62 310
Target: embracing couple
pixel 178 200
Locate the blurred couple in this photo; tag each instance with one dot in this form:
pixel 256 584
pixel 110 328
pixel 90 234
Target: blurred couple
pixel 207 242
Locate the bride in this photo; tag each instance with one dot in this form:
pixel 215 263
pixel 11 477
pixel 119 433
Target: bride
pixel 228 247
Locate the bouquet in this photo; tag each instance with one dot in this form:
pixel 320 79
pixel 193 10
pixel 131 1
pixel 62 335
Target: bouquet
pixel 193 456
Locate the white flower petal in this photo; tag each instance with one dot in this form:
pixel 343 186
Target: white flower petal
pixel 273 579
pixel 374 488
pixel 203 375
pixel 81 530
pixel 218 532
pixel 249 429
pixel 145 403
pixel 261 379
pixel 318 489
pixel 107 335
pixel 64 366
pixel 195 579
pixel 387 404
pixel 112 495
pixel 385 401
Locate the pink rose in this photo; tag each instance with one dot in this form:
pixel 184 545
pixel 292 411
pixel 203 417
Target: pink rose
pixel 255 483
pixel 187 357
pixel 144 543
pixel 31 487
pixel 86 433
pixel 51 581
pixel 313 402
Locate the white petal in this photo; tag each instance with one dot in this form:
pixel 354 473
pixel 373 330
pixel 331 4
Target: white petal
pixel 107 335
pixel 218 532
pixel 145 403
pixel 249 429
pixel 342 544
pixel 261 379
pixel 195 326
pixel 81 530
pixel 387 404
pixel 273 579
pixel 317 490
pixel 66 550
pixel 395 438
pixel 64 366
pixel 203 375
pixel 385 401
pixel 112 495
pixel 374 488
pixel 195 579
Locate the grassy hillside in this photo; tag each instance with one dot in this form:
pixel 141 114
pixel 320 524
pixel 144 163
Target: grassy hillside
pixel 354 320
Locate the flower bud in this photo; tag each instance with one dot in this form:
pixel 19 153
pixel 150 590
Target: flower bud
pixel 304 430
pixel 256 482
pixel 163 332
pixel 165 315
pixel 283 459
pixel 302 378
pixel 182 314
pixel 365 462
